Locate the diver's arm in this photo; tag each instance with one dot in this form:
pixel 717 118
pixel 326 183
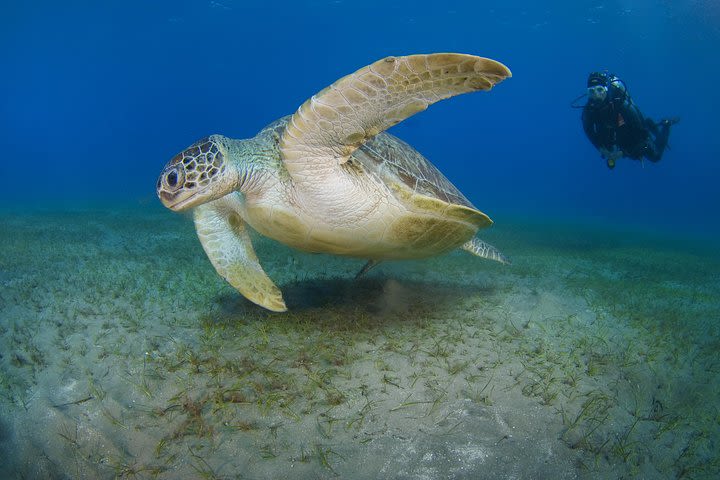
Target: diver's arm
pixel 593 134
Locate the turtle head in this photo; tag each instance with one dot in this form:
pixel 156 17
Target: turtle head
pixel 200 173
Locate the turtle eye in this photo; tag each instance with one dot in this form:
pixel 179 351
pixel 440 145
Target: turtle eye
pixel 173 178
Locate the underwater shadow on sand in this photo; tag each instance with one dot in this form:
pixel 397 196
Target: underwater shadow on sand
pixel 370 296
pixel 385 297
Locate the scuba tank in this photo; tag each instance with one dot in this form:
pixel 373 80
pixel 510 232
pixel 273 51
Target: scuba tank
pixel 617 90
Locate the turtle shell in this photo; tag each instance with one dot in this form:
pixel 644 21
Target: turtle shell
pixel 391 156
pixel 415 180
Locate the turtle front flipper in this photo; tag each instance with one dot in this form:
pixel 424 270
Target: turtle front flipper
pixel 226 242
pixel 332 124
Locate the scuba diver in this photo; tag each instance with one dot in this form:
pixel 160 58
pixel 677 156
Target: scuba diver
pixel 615 125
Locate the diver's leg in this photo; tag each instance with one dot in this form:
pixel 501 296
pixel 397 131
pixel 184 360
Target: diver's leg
pixel 655 147
pixel 662 137
pixel 651 126
pixel 651 151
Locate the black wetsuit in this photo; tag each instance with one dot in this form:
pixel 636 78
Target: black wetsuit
pixel 619 123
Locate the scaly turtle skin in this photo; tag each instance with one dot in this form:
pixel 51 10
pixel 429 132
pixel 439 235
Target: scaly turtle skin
pixel 329 180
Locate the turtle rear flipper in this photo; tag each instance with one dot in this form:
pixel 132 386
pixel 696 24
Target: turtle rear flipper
pixel 226 242
pixel 367 267
pixel 485 250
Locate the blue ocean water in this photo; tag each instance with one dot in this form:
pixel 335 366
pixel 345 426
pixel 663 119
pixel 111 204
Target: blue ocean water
pixel 97 96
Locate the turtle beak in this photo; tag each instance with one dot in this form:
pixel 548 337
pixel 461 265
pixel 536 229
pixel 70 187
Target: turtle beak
pixel 172 203
pixel 170 187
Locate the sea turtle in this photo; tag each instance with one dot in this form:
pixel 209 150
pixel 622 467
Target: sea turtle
pixel 328 180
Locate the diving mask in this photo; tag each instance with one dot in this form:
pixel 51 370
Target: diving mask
pixel 597 93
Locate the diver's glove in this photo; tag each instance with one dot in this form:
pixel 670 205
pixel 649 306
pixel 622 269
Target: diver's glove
pixel 611 156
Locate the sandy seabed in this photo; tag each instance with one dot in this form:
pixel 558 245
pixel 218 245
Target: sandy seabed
pixel 124 355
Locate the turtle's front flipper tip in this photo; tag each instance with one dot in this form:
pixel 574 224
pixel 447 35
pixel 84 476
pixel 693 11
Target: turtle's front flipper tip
pixel 271 300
